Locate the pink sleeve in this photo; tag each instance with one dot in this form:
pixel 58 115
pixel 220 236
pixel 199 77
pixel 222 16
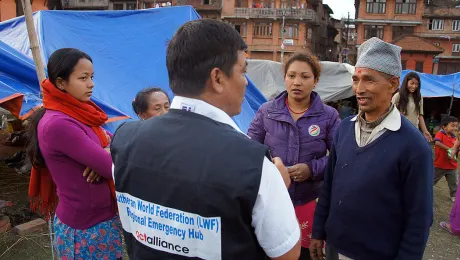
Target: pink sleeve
pixel 67 137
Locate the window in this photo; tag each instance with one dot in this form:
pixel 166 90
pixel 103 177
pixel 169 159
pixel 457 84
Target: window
pixel 309 33
pixel 263 29
pixel 288 4
pixel 437 44
pixel 403 64
pixel 241 3
pixel 456 25
pixel 456 49
pixel 131 6
pixel 419 66
pixel 117 6
pixel 436 25
pixel 373 31
pixel 290 31
pixel 240 27
pixel 206 2
pixel 402 30
pixel 406 6
pixel 376 6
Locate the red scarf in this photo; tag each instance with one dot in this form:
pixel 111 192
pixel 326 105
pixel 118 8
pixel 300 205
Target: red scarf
pixel 42 189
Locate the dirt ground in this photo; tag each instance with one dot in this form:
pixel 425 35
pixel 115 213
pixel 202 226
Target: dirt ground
pixel 441 245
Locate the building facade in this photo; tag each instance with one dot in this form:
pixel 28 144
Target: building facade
pixel 427 30
pixel 388 19
pixel 348 40
pixel 307 23
pixel 260 25
pixel 307 26
pixel 441 27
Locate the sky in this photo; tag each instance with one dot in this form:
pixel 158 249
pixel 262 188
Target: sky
pixel 341 8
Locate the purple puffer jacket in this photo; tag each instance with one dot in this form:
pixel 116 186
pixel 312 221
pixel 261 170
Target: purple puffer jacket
pixel 304 141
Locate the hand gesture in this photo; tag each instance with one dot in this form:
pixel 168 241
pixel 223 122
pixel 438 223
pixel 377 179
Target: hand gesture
pixel 107 136
pixel 316 249
pixel 299 172
pixel 428 136
pixel 91 175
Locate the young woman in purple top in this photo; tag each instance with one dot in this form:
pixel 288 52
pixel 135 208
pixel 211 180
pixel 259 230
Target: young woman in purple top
pixel 298 128
pixel 66 139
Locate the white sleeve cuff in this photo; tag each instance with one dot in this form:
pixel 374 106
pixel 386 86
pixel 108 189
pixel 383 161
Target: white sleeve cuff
pixel 285 246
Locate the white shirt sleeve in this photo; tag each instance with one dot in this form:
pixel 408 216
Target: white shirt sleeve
pixel 113 172
pixel 273 215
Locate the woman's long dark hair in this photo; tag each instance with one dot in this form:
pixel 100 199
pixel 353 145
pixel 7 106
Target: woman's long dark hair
pixel 404 93
pixel 60 65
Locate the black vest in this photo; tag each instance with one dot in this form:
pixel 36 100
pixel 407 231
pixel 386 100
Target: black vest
pixel 187 170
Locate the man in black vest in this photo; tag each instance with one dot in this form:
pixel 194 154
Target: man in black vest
pixel 190 183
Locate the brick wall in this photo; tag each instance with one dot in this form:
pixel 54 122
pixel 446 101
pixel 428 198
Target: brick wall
pixel 412 59
pixel 390 12
pixel 8 8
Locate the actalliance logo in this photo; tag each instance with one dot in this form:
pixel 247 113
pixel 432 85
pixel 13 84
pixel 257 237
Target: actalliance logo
pixel 156 241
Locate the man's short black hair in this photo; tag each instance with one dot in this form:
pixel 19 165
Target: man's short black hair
pixel 198 47
pixel 448 119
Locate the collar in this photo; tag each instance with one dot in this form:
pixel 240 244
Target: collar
pixel 392 122
pixel 279 104
pixel 205 109
pixel 444 132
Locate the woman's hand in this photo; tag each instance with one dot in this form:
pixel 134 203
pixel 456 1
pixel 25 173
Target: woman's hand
pixel 428 136
pixel 299 172
pixel 107 136
pixel 91 175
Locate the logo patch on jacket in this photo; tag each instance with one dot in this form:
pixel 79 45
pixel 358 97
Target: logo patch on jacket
pixel 314 130
pixel 187 107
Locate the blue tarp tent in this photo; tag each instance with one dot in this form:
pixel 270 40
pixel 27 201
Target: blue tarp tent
pixel 438 85
pixel 19 89
pixel 128 49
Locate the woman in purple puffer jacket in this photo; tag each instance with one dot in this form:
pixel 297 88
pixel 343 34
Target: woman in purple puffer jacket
pixel 298 128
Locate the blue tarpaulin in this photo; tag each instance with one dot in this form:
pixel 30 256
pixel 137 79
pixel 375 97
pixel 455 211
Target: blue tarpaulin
pixel 438 85
pixel 19 90
pixel 128 49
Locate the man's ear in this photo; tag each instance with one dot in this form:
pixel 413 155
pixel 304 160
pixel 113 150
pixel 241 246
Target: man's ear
pixel 394 84
pixel 216 79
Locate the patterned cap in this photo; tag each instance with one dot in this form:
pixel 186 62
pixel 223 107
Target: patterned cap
pixel 381 56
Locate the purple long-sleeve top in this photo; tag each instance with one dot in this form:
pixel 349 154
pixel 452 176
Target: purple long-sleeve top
pixel 305 141
pixel 68 147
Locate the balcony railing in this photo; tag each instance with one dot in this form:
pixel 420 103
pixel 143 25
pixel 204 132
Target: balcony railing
pixel 85 4
pixel 275 13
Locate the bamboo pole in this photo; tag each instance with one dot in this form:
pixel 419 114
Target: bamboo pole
pixel 34 47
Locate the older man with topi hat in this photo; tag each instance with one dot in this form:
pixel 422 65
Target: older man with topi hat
pixel 377 198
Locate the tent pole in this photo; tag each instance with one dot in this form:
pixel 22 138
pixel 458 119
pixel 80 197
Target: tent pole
pixel 451 100
pixel 34 47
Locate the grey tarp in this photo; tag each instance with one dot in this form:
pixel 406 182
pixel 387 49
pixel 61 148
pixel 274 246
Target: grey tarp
pixel 334 83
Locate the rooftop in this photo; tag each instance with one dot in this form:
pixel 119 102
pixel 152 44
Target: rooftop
pixel 412 43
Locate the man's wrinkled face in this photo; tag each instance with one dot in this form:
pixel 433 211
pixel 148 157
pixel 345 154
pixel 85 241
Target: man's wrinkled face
pixel 373 90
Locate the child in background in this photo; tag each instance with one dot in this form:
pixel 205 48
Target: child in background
pixel 444 164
